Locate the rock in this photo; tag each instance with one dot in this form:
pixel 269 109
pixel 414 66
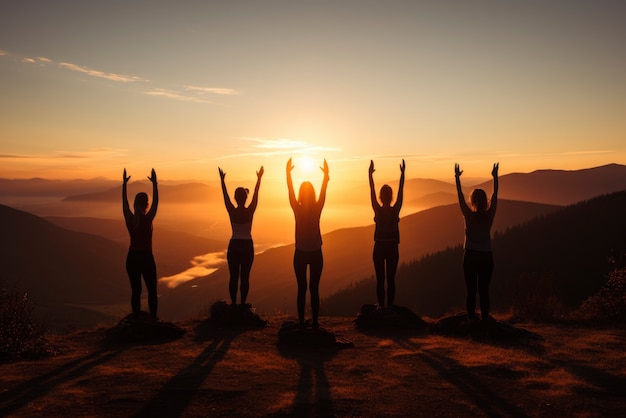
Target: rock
pixel 144 329
pixel 242 316
pixel 490 330
pixel 373 317
pixel 292 334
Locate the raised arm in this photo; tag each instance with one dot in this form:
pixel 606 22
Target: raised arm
pixel 462 203
pixel 375 204
pixel 255 196
pixel 494 196
pixel 155 195
pixel 322 198
pixel 292 196
pixel 400 198
pixel 125 206
pixel 229 205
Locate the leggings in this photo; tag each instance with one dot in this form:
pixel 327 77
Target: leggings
pixel 477 268
pixel 140 263
pixel 385 251
pixel 240 256
pixel 315 261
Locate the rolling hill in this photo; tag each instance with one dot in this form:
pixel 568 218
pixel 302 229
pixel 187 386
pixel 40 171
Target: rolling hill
pixel 57 267
pixel 347 258
pixel 172 249
pixel 560 258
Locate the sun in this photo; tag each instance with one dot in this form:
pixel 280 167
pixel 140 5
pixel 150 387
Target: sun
pixel 306 164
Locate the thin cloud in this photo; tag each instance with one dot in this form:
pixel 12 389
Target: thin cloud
pixel 175 96
pixel 12 156
pixel 282 146
pixel 281 143
pixel 58 155
pixel 2 52
pixel 44 59
pixel 29 60
pixel 592 152
pixel 96 73
pixel 213 90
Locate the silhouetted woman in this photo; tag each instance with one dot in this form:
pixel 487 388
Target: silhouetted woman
pixel 477 258
pixel 386 236
pixel 307 212
pixel 140 261
pixel 240 253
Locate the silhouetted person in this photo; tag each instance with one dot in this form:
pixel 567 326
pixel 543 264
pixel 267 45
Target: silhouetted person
pixel 140 261
pixel 478 258
pixel 240 253
pixel 386 236
pixel 307 211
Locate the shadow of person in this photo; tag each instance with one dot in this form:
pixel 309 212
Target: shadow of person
pixel 484 396
pixel 175 396
pixel 33 389
pixel 313 396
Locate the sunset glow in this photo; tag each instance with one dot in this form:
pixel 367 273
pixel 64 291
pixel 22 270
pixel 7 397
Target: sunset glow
pixel 193 85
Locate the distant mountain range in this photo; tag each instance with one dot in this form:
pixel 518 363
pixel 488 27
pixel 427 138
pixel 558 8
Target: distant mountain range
pixel 557 187
pixel 74 261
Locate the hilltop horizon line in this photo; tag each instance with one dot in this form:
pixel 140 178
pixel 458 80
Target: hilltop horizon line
pixel 449 179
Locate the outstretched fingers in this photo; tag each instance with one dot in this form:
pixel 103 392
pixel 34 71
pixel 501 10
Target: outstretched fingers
pixel 494 171
pixel 153 176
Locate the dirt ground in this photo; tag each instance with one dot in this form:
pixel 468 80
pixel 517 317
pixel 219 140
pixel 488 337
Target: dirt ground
pixel 212 372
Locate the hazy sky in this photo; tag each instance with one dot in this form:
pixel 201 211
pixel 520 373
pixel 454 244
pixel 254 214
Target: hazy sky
pixel 90 87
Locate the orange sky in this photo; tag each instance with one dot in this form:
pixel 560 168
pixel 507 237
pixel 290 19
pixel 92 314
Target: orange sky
pixel 189 86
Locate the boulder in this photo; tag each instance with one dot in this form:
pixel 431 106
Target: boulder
pixel 488 330
pixel 235 316
pixel 375 317
pixel 144 329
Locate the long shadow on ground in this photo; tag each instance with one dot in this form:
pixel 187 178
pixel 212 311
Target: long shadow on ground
pixel 174 397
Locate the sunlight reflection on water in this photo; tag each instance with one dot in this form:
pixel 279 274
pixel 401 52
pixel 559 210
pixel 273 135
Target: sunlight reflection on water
pixel 201 265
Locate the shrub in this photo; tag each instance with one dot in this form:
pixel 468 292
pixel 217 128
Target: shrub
pixel 609 304
pixel 20 334
pixel 536 300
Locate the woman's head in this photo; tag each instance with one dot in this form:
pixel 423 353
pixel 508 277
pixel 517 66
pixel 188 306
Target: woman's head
pixel 386 195
pixel 478 199
pixel 141 203
pixel 306 194
pixel 241 195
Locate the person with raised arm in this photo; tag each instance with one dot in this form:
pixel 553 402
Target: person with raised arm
pixel 478 257
pixel 386 236
pixel 240 254
pixel 307 211
pixel 140 260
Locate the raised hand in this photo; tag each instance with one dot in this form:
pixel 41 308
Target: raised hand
pixel 494 171
pixel 371 169
pixel 289 166
pixel 325 169
pixel 153 176
pixel 259 173
pixel 125 179
pixel 402 166
pixel 457 170
pixel 222 174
